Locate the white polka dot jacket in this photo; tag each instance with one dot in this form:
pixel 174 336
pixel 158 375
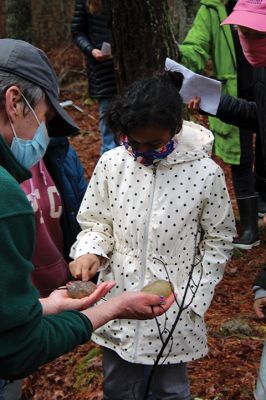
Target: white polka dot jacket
pixel 172 221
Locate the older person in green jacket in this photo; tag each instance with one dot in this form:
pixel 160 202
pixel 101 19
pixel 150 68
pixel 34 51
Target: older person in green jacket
pixel 208 40
pixel 29 337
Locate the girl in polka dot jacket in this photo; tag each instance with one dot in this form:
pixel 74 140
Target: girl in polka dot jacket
pixel 155 200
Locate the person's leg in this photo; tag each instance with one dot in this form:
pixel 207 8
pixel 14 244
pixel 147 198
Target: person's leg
pixel 2 389
pixel 122 380
pixel 247 199
pixel 108 141
pixel 261 382
pixel 171 383
pixel 260 177
pixel 13 390
pixel 10 390
pixel 242 174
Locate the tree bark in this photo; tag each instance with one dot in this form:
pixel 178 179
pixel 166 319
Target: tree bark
pixel 142 38
pixel 18 19
pixel 51 21
pixel 182 14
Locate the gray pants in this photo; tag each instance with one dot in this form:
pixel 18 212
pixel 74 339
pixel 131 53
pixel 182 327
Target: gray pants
pixel 261 382
pixel 10 391
pixel 127 381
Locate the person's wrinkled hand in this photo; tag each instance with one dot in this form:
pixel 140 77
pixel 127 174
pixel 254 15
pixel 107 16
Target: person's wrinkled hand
pixel 129 305
pixel 141 305
pixel 258 306
pixel 99 56
pixel 194 104
pixel 59 300
pixel 85 267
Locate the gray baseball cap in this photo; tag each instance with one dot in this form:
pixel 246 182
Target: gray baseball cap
pixel 29 62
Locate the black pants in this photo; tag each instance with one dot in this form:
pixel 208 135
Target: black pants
pixel 242 174
pixel 260 172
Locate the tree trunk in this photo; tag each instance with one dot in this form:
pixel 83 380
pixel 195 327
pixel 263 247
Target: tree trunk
pixel 142 38
pixel 51 22
pixel 182 13
pixel 18 19
pixel 2 19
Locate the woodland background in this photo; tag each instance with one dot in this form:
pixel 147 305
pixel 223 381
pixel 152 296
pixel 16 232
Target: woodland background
pixel 235 336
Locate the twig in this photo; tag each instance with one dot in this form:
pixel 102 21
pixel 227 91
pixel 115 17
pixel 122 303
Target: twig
pixel 182 307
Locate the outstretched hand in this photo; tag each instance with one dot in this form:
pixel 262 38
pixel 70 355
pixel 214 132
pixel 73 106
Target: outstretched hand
pixel 141 305
pixel 258 306
pixel 129 305
pixel 59 300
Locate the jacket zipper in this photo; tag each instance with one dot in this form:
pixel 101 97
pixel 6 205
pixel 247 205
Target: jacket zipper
pixel 144 254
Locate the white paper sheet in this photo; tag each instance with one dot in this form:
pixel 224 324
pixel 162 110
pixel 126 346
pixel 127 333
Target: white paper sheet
pixel 106 48
pixel 209 90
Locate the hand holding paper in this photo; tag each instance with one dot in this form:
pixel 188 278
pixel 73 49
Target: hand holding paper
pixel 195 85
pixel 106 49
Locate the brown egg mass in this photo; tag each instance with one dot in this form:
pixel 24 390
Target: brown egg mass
pixel 160 287
pixel 79 289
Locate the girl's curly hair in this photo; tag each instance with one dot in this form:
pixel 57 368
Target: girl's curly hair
pixel 153 101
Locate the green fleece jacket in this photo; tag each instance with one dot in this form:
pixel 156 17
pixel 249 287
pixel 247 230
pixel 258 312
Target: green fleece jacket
pixel 27 338
pixel 207 39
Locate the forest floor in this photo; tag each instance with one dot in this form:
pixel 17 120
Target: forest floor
pixel 230 369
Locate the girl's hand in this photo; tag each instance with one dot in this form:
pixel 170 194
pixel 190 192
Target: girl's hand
pixel 85 267
pixel 99 56
pixel 194 104
pixel 59 301
pixel 258 306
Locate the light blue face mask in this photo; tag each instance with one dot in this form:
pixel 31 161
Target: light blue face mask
pixel 30 152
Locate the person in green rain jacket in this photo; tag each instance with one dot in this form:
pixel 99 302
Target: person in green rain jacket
pixel 208 40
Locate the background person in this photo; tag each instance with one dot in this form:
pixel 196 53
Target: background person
pixel 250 18
pixel 207 40
pixel 55 191
pixel 90 28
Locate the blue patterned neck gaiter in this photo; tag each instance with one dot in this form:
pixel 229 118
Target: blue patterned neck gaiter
pixel 152 156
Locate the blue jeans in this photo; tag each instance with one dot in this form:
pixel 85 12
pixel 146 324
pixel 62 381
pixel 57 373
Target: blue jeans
pixel 261 382
pixel 108 141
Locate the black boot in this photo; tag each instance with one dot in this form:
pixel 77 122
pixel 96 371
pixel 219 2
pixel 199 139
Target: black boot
pixel 248 212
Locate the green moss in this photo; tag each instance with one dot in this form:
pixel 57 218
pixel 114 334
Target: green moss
pixel 84 372
pixel 237 254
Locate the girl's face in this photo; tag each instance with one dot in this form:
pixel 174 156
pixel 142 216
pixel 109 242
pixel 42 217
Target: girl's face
pixel 148 138
pixel 251 33
pixel 253 44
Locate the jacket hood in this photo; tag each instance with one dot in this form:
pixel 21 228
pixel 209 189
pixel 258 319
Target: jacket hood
pixel 193 142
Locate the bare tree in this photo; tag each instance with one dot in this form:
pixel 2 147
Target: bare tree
pixel 142 38
pixel 51 20
pixel 182 13
pixel 18 19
